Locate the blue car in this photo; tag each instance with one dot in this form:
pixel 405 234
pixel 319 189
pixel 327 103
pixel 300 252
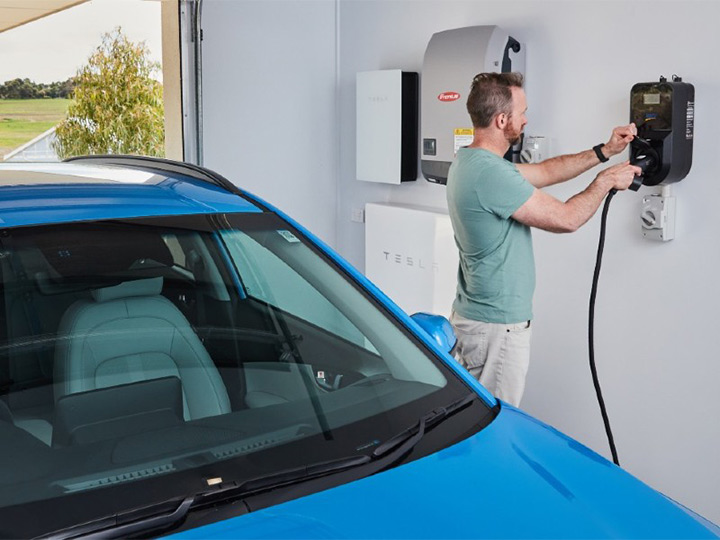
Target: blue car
pixel 180 358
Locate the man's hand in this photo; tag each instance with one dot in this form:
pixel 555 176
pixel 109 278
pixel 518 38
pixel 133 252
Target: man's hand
pixel 620 138
pixel 618 176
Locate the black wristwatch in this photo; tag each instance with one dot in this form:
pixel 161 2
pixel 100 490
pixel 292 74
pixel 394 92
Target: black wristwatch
pixel 599 153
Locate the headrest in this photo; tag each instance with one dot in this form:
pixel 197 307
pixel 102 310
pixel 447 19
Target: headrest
pixel 83 250
pixel 128 289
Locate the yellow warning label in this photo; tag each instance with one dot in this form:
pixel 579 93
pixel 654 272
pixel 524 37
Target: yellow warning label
pixel 463 137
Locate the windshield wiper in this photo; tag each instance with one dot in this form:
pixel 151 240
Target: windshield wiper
pixel 157 517
pixel 123 525
pixel 386 454
pixel 407 439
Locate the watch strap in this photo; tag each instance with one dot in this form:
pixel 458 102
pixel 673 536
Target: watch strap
pixel 599 153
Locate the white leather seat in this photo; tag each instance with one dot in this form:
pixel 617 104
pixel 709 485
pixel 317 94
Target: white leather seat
pixel 130 333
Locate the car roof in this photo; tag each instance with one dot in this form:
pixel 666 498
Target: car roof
pixel 112 187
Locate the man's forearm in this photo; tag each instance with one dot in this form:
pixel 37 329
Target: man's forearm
pixel 548 213
pixel 558 169
pixel 562 168
pixel 581 207
pixel 544 211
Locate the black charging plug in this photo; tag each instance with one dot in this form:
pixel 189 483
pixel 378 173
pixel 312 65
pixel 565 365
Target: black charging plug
pixel 643 156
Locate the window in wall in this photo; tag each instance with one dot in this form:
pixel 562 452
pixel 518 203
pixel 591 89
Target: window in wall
pixel 85 78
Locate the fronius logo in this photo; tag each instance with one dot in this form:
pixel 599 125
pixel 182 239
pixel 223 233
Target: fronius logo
pixel 449 96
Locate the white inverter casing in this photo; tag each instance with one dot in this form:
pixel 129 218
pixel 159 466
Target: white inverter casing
pixel 452 59
pixel 410 254
pixel 387 126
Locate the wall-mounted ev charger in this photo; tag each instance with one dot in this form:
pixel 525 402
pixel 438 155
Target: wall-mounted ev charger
pixel 664 113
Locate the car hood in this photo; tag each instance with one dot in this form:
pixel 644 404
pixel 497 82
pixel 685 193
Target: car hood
pixel 517 478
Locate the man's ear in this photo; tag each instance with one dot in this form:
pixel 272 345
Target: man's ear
pixel 501 120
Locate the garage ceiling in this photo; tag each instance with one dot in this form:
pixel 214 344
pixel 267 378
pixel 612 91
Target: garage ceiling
pixel 14 13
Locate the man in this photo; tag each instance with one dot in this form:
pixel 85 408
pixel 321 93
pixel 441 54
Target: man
pixel 493 203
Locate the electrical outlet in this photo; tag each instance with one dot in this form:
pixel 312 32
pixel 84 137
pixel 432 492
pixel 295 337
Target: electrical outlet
pixel 536 148
pixel 657 217
pixel 357 215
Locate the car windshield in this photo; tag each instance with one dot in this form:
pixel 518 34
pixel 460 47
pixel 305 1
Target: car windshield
pixel 145 359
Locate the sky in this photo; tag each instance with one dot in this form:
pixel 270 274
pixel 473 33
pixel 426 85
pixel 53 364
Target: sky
pixel 53 48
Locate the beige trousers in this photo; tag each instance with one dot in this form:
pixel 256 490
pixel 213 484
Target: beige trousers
pixel 497 355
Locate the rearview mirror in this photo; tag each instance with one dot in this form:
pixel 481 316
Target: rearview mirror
pixel 438 328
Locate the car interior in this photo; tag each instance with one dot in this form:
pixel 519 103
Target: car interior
pixel 127 346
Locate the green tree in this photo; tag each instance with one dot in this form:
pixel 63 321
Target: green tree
pixel 117 106
pixel 20 89
pixel 27 89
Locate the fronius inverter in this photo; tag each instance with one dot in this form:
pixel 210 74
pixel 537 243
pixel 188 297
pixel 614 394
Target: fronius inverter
pixel 452 59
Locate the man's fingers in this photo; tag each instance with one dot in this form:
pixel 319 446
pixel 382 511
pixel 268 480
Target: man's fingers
pixel 630 129
pixel 621 137
pixel 620 165
pixel 626 167
pixel 624 174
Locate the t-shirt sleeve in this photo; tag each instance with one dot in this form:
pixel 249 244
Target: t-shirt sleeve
pixel 502 190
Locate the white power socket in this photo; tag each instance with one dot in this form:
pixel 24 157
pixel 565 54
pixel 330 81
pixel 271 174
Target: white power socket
pixel 357 215
pixel 657 216
pixel 536 148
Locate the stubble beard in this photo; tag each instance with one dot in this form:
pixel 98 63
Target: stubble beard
pixel 512 136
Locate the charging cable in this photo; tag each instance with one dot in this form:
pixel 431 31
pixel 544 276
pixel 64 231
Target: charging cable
pixel 591 327
pixel 643 155
pixel 647 159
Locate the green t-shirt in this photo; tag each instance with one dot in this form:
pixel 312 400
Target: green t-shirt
pixel 496 277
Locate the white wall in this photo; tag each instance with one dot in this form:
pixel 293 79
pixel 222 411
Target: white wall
pixel 269 96
pixel 657 304
pixel 656 345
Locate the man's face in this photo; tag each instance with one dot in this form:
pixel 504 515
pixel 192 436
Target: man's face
pixel 517 119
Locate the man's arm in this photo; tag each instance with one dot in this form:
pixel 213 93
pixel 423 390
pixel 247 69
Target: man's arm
pixel 548 213
pixel 562 168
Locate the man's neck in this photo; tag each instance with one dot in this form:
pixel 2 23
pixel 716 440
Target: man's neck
pixel 486 141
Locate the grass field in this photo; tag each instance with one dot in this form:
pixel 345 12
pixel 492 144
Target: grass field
pixel 21 120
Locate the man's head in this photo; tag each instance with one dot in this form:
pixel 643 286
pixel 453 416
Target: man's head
pixel 497 101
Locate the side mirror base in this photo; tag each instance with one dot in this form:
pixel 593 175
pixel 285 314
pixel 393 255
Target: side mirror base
pixel 438 328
